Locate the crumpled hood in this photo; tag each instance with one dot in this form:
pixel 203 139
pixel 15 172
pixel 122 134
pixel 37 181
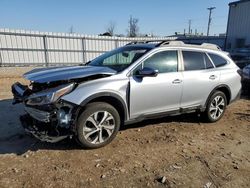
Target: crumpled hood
pixel 44 75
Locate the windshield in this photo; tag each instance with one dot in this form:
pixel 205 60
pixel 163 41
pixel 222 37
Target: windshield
pixel 120 58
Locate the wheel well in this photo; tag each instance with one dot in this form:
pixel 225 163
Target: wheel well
pixel 226 91
pixel 116 103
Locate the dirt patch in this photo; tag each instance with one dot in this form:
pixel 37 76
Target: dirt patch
pixel 179 151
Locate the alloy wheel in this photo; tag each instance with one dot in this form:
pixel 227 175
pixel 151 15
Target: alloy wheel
pixel 217 107
pixel 98 127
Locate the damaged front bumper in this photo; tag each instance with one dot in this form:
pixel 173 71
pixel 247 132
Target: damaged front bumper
pixel 43 132
pixel 50 122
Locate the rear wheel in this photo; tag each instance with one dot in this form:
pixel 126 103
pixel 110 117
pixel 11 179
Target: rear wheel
pixel 97 125
pixel 216 107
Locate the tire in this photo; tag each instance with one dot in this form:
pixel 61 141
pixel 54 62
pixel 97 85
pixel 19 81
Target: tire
pixel 97 125
pixel 216 107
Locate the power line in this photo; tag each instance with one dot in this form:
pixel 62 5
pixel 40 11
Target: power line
pixel 209 19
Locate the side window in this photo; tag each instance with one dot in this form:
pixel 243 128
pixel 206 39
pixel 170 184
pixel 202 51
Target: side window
pixel 196 61
pixel 193 60
pixel 217 60
pixel 166 61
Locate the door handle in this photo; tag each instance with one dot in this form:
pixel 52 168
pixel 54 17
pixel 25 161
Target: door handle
pixel 212 77
pixel 177 81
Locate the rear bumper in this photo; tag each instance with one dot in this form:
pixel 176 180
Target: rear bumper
pixel 237 97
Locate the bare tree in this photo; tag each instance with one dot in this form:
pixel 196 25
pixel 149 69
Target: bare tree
pixel 111 28
pixel 133 27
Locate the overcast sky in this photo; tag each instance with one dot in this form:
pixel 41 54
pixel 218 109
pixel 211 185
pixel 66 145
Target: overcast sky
pixel 161 17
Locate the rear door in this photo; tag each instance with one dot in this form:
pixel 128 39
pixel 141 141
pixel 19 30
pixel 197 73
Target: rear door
pixel 200 77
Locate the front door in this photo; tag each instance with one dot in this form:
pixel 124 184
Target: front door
pixel 152 95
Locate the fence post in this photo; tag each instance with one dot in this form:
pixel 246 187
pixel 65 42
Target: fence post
pixel 83 51
pixel 1 60
pixel 116 43
pixel 45 50
pixel 116 46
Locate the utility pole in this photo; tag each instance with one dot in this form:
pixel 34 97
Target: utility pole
pixel 209 19
pixel 189 26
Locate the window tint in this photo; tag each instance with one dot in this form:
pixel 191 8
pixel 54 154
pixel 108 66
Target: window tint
pixel 193 60
pixel 164 62
pixel 217 60
pixel 196 61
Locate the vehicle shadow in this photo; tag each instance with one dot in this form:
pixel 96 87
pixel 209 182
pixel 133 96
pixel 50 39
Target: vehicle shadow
pixel 20 144
pixel 184 118
pixel 13 139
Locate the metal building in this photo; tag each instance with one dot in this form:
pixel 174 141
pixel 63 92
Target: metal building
pixel 238 26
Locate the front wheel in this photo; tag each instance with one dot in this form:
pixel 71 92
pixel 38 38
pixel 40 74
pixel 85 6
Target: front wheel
pixel 97 125
pixel 216 107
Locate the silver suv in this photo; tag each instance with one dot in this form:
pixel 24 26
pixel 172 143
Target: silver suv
pixel 138 81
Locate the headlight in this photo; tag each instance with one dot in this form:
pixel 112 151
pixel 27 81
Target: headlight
pixel 49 96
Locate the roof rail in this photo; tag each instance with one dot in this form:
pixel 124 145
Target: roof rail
pixel 177 43
pixel 181 43
pixel 171 42
pixel 210 46
pixel 147 41
pixel 136 42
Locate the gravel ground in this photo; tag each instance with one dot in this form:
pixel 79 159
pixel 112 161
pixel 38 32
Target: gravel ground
pixel 179 151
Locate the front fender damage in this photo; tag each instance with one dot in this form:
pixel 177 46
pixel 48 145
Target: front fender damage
pixel 52 122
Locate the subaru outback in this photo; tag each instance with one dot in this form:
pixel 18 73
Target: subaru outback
pixel 129 84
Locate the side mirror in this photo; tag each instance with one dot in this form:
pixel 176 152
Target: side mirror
pixel 147 72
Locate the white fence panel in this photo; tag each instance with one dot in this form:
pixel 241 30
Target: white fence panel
pixel 24 48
